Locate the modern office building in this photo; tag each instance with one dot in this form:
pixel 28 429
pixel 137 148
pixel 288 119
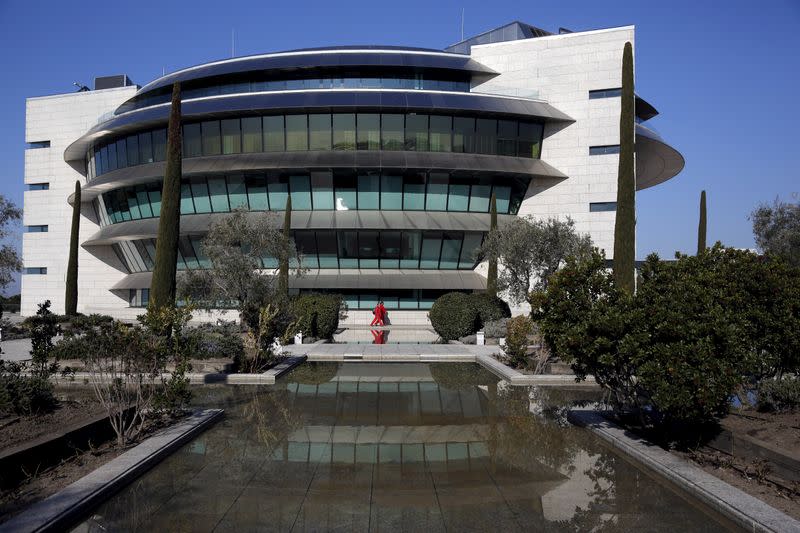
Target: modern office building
pixel 390 156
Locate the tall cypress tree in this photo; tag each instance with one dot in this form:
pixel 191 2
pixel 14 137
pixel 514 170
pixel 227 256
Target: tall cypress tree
pixel 71 295
pixel 701 227
pixel 162 286
pixel 283 267
pixel 625 226
pixel 491 276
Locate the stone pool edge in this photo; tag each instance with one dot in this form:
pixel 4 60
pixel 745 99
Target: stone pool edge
pixel 63 509
pixel 743 509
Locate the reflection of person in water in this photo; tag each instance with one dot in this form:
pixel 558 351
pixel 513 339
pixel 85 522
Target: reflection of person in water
pixel 379 336
pixel 380 315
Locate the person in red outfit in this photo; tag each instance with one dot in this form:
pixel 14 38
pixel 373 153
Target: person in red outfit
pixel 380 315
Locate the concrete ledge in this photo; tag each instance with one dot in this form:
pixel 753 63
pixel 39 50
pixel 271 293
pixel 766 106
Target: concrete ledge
pixel 745 510
pixel 284 366
pixel 61 510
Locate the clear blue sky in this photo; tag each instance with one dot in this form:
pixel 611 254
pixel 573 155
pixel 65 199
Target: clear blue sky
pixel 724 76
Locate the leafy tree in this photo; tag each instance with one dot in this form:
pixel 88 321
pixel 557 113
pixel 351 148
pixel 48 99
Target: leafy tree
pixel 530 251
pixel 71 296
pixel 283 267
pixel 43 327
pixel 777 229
pixel 701 226
pixel 625 224
pixel 10 261
pixel 162 286
pixel 491 276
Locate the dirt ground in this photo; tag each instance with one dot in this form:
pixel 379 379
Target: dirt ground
pixel 780 429
pixel 15 430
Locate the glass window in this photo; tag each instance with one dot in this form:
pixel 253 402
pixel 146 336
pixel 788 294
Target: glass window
pixel 410 249
pixel 154 193
pixel 326 249
pixel 278 189
pixel 451 250
pixel 597 207
pixel 507 137
pixel 392 192
pixel 251 135
pixel 296 132
pixel 112 157
pixel 192 141
pixel 485 136
pixel 197 246
pixel 202 204
pixel 212 144
pixel 103 160
pixel 603 150
pixel 348 249
pixel 414 192
pixel 417 132
pixel 319 132
pixel 440 137
pixel 122 154
pixel 345 192
pixel 480 197
pixel 187 206
pixel 530 139
pixel 186 250
pixel 392 131
pixel 237 192
pixel 133 203
pixel 436 199
pixel 307 247
pixel 301 192
pixel 368 192
pixel 431 246
pixel 472 242
pixel 464 135
pixel 368 249
pixel 133 150
pixel 231 136
pixel 143 201
pixel 344 131
pixel 218 192
pixel 458 197
pixel 390 249
pixel 369 132
pixel 257 193
pixel 502 195
pixel 274 140
pixel 160 145
pixel 322 190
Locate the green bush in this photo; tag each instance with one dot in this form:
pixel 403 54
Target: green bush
pixel 496 328
pixel 72 347
pixel 490 308
pixel 779 395
pixel 517 331
pixel 317 315
pixel 23 394
pixel 454 315
pixel 209 341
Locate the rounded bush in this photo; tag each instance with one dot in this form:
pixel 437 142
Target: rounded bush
pixel 317 315
pixel 454 315
pixel 490 308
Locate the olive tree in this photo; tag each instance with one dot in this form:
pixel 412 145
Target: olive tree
pixel 776 228
pixel 530 251
pixel 10 261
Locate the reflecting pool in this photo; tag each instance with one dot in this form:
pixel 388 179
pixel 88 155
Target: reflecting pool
pixel 396 447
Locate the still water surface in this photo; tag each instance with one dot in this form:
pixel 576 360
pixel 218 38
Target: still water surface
pixel 395 447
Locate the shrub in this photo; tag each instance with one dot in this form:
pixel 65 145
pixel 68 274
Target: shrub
pixel 496 328
pixel 517 331
pixel 490 308
pixel 317 315
pixel 23 394
pixel 209 341
pixel 72 347
pixel 454 315
pixel 779 395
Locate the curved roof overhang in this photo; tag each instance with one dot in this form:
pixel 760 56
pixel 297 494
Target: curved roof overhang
pixel 656 161
pixel 321 100
pixel 644 109
pixel 376 220
pixel 357 279
pixel 309 59
pixel 473 164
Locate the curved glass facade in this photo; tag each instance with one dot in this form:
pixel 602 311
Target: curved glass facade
pixel 325 132
pixel 334 249
pixel 418 81
pixel 339 190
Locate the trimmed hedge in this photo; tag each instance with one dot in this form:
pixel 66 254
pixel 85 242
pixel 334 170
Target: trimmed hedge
pixel 490 308
pixel 454 315
pixel 317 315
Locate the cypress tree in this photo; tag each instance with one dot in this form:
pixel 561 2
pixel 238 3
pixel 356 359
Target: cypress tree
pixel 162 286
pixel 283 267
pixel 701 227
pixel 625 225
pixel 71 295
pixel 491 277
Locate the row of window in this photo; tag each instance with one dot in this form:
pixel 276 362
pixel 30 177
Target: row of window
pixel 36 270
pixel 605 93
pixel 37 144
pixel 341 191
pixel 339 131
pixel 598 207
pixel 410 82
pixel 329 249
pixel 40 228
pixel 604 150
pixel 38 186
